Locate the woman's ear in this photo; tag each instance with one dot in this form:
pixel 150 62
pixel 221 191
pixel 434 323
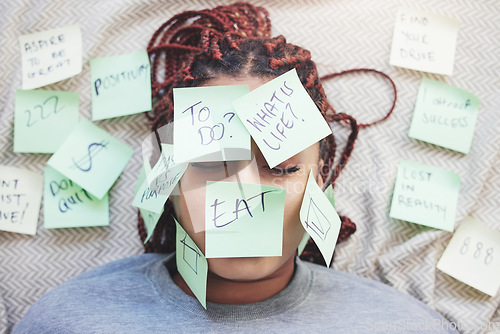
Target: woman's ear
pixel 319 178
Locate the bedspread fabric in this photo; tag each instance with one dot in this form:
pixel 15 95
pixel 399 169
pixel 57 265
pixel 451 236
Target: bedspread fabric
pixel 341 35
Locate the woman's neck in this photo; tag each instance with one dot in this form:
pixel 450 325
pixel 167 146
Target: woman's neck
pixel 224 291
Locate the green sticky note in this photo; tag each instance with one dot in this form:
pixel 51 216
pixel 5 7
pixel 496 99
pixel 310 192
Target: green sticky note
pixel 425 195
pixel 121 85
pixel 150 221
pixel 20 198
pixel 444 115
pixel 146 198
pixel 282 118
pixel 329 194
pixel 43 119
pixel 303 243
pixel 206 127
pixel 191 264
pixel 319 219
pixel 243 220
pixel 92 158
pixel 166 173
pixel 66 204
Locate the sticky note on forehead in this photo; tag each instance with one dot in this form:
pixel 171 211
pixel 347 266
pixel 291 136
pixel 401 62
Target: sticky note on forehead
pixel 425 195
pixel 50 56
pixel 444 115
pixel 424 41
pixel 282 118
pixel 206 127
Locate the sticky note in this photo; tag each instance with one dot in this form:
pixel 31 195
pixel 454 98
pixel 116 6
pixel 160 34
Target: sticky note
pixel 150 221
pixel 444 115
pixel 473 256
pixel 319 219
pixel 424 41
pixel 66 204
pixel 303 243
pixel 243 220
pixel 166 173
pixel 50 56
pixel 282 118
pixel 191 264
pixel 121 85
pixel 92 158
pixel 146 198
pixel 20 198
pixel 43 119
pixel 329 194
pixel 206 127
pixel 425 195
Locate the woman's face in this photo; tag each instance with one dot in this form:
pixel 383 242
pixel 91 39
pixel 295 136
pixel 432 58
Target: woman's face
pixel 290 175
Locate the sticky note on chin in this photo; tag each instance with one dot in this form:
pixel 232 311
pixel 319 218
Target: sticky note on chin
pixel 20 198
pixel 66 204
pixel 243 220
pixel 43 119
pixel 282 118
pixel 444 115
pixel 191 264
pixel 425 195
pixel 121 85
pixel 206 127
pixel 473 256
pixel 92 158
pixel 50 56
pixel 319 219
pixel 424 41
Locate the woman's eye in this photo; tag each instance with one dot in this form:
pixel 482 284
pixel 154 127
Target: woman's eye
pixel 209 166
pixel 281 171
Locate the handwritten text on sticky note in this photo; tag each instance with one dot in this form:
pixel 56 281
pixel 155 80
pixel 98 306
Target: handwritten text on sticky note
pixel 282 118
pixel 444 115
pixel 425 195
pixel 68 205
pixel 43 119
pixel 50 56
pixel 191 264
pixel 424 41
pixel 92 158
pixel 20 198
pixel 121 85
pixel 473 256
pixel 319 219
pixel 243 220
pixel 206 127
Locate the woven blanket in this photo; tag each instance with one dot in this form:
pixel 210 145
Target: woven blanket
pixel 341 35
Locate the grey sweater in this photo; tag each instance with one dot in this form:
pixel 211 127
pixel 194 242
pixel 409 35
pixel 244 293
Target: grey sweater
pixel 137 295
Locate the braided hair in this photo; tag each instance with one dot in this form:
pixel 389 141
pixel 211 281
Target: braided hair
pixel 196 46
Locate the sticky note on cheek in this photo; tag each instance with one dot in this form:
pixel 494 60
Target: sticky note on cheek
pixel 20 198
pixel 319 219
pixel 424 41
pixel 43 119
pixel 473 256
pixel 444 115
pixel 50 56
pixel 425 195
pixel 243 220
pixel 282 118
pixel 92 158
pixel 191 264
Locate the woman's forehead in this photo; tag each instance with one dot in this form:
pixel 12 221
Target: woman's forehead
pixel 224 80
